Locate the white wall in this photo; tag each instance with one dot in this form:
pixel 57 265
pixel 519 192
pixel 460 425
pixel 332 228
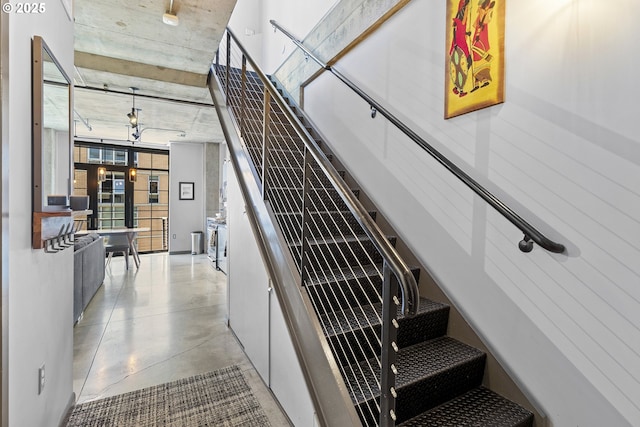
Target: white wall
pixel 247 24
pixel 563 149
pixel 267 48
pixel 186 164
pixel 40 285
pixel 213 177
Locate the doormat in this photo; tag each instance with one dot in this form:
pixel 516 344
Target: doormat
pixel 218 398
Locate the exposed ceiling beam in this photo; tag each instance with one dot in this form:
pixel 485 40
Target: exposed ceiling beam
pixel 141 95
pixel 136 69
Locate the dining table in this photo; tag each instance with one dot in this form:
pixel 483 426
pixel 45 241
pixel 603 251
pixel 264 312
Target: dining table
pixel 130 233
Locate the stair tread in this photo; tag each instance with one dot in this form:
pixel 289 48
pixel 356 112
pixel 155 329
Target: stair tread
pixel 286 149
pixel 314 166
pixel 337 240
pixel 415 363
pixel 325 212
pixel 348 273
pixel 315 188
pixel 477 407
pixel 351 320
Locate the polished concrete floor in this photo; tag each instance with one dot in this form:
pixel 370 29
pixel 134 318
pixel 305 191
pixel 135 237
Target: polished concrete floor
pixel 160 323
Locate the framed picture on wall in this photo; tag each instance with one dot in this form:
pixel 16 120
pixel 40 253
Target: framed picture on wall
pixel 475 55
pixel 186 191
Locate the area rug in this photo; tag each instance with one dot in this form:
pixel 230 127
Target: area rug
pixel 218 398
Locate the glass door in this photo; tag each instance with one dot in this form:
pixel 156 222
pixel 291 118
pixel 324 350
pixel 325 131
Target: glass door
pixel 111 200
pixel 80 188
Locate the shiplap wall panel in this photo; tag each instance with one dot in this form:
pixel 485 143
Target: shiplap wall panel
pixel 567 305
pixel 448 202
pixel 563 149
pixel 600 202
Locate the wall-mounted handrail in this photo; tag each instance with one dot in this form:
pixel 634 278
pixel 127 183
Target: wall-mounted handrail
pixel 531 234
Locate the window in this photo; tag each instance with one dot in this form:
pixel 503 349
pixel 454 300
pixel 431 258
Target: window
pixel 94 155
pixel 151 207
pixel 119 203
pixel 118 190
pixel 111 200
pixel 154 189
pixel 105 156
pixel 120 157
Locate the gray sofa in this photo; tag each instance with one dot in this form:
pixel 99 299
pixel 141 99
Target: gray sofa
pixel 88 270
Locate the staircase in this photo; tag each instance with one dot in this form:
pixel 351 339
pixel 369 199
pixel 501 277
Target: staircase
pixel 439 378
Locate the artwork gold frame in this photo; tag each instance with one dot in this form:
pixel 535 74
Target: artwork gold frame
pixel 474 56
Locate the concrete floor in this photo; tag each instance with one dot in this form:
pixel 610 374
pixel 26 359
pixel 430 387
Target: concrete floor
pixel 160 323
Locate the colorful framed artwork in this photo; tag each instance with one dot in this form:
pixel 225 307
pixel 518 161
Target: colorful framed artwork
pixel 475 55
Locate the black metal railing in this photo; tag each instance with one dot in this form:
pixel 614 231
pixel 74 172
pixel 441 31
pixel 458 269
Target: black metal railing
pixel 531 234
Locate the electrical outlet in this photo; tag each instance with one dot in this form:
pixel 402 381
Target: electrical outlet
pixel 41 381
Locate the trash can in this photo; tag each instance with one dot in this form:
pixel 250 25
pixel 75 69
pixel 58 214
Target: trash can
pixel 196 242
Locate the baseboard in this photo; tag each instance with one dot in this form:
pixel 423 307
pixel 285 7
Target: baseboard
pixel 69 409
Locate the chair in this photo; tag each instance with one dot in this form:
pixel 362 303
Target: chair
pixel 117 244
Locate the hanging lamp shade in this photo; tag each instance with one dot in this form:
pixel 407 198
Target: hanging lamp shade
pixel 133 118
pixel 133 115
pixel 102 174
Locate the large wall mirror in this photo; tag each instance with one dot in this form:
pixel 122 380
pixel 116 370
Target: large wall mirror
pixel 52 150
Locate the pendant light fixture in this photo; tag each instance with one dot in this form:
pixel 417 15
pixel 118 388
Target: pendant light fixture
pixel 133 115
pixel 102 174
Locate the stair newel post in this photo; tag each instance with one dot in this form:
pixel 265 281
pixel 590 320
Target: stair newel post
pixel 306 185
pixel 266 141
pixel 227 68
pixel 389 370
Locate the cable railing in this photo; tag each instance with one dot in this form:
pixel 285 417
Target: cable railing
pixel 357 283
pixel 531 234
